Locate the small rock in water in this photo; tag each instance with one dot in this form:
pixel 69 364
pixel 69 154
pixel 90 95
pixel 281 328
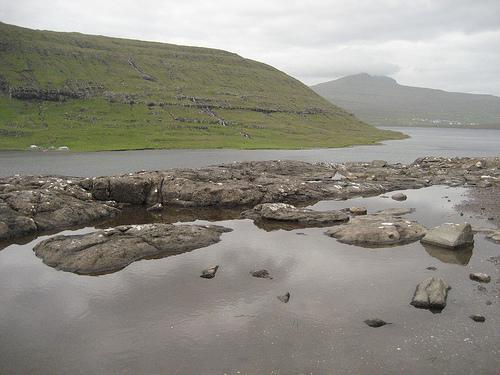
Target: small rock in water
pixel 209 273
pixel 358 210
pixel 156 207
pixel 285 297
pixel 431 294
pixel 480 277
pixel 300 234
pixel 489 303
pixel 478 318
pixel 375 323
pixel 399 197
pixel 261 274
pixel 431 268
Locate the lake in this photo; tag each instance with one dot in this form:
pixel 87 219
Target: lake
pixel 159 317
pixel 423 142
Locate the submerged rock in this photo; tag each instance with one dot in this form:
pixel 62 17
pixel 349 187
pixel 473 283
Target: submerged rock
pixel 480 277
pixel 209 273
pixel 110 250
pixel 396 211
pixel 452 256
pixel 288 213
pixel 450 236
pixel 377 230
pixel 285 297
pixel 155 208
pixel 261 274
pixel 375 323
pixel 431 294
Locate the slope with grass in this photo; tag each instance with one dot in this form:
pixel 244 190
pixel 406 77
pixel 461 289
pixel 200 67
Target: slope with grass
pixel 99 93
pixel 380 100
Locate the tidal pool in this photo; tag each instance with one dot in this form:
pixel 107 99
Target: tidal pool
pixel 159 316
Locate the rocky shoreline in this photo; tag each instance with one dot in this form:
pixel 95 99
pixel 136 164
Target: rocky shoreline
pixel 31 205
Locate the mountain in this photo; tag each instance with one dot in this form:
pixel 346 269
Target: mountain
pixel 380 100
pixel 99 93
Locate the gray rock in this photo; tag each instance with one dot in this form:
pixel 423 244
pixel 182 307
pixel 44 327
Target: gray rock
pixel 288 213
pixel 358 210
pixel 209 273
pixel 478 318
pixel 261 274
pixel 285 297
pixel 377 230
pixel 375 323
pixel 379 163
pixel 431 268
pixel 494 236
pixel 110 250
pixel 480 277
pixel 155 208
pixel 450 236
pixel 431 294
pixel 399 197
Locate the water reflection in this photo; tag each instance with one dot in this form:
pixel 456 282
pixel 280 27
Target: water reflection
pixel 458 256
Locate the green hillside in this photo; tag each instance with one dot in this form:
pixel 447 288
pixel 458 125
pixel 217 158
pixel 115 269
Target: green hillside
pixel 98 93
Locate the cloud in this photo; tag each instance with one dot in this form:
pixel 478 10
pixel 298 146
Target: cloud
pixel 449 44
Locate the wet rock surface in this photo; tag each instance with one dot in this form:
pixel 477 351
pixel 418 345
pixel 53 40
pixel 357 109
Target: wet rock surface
pixel 110 250
pixel 377 230
pixel 450 236
pixel 59 202
pixel 431 294
pixel 288 213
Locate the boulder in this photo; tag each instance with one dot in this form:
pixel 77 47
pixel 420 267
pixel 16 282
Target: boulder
pixel 209 273
pixel 287 213
pixel 480 277
pixel 377 230
pixel 110 250
pixel 431 294
pixel 450 236
pixel 399 197
pixel 358 210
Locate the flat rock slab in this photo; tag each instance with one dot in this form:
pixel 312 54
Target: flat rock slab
pixel 377 231
pixel 450 236
pixel 431 294
pixel 288 213
pixel 107 251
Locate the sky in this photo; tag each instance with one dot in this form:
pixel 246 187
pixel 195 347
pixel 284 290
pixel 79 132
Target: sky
pixel 448 44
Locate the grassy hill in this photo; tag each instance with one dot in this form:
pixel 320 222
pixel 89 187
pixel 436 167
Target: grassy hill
pixel 98 93
pixel 380 100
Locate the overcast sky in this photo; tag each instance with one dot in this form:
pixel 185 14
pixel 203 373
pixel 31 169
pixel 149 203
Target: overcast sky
pixel 448 44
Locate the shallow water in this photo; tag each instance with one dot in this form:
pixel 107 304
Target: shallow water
pixel 159 316
pixel 423 142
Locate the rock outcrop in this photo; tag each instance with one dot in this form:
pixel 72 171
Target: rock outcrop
pixel 110 250
pixel 450 236
pixel 33 204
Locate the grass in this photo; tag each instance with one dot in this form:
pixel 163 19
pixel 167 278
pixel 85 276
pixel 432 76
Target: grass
pixel 140 95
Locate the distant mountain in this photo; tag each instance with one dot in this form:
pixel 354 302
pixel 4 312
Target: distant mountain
pixel 380 100
pixel 99 93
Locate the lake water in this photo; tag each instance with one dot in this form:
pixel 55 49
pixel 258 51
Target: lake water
pixel 159 317
pixel 423 142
